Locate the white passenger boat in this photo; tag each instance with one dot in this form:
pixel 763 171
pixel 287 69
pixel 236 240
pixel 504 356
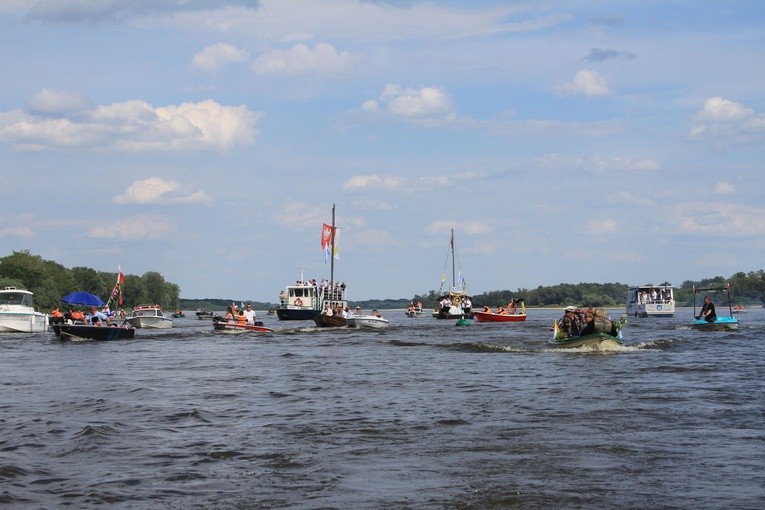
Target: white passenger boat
pixel 18 313
pixel 149 316
pixel 651 301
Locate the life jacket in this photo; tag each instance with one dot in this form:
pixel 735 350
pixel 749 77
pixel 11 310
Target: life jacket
pixel 56 313
pixel 78 316
pixel 241 319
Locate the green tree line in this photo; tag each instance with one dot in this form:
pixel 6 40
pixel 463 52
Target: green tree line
pixel 49 281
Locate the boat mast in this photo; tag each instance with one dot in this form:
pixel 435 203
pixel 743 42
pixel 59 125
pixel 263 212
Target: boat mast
pixel 454 277
pixel 332 254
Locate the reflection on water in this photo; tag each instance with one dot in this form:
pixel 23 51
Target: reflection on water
pixel 421 415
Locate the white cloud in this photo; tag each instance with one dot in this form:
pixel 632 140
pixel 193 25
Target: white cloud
pixel 158 191
pixel 586 82
pixel 128 126
pixel 430 105
pixel 724 188
pixel 216 55
pixel 718 219
pixel 142 226
pixel 602 227
pixel 323 59
pixel 374 182
pixel 722 121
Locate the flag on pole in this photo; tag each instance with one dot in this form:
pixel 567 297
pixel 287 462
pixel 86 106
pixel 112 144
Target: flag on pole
pixel 326 240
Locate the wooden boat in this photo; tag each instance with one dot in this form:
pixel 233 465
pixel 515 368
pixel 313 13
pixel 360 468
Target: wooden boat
pixel 89 332
pixel 18 313
pixel 367 322
pixel 304 301
pixel 651 301
pixel 721 322
pixel 456 303
pixel 149 316
pixel 599 341
pixel 498 317
pixel 332 321
pixel 219 324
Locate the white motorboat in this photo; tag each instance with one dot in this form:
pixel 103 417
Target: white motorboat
pixel 367 322
pixel 149 316
pixel 18 314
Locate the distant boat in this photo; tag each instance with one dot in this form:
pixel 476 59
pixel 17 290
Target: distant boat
pixel 721 322
pixel 18 313
pixel 149 316
pixel 651 301
pixel 204 314
pixel 414 310
pixel 739 309
pixel 499 317
pixel 455 303
pixel 178 314
pixel 305 300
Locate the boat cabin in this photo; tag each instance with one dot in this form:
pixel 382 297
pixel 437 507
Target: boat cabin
pixel 14 296
pixel 651 301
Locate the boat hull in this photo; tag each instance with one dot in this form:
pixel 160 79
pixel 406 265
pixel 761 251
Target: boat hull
pixel 23 322
pixel 497 317
pixel 88 332
pixel 296 314
pixel 719 324
pixel 229 327
pixel 599 341
pixel 150 322
pixel 329 321
pixel 367 322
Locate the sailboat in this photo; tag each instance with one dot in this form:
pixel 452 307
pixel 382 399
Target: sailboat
pixel 456 303
pixel 333 296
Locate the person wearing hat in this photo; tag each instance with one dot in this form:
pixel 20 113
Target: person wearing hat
pixel 571 323
pixel 357 313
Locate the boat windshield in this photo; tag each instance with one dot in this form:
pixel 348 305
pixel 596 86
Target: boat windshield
pixel 16 298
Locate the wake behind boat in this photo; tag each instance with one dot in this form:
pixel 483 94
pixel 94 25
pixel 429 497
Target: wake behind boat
pixel 18 313
pixel 598 341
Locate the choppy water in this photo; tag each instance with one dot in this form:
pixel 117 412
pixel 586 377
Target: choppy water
pixel 422 415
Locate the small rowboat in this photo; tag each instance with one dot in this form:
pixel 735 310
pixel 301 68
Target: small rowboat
pixel 599 341
pixel 499 317
pixel 236 327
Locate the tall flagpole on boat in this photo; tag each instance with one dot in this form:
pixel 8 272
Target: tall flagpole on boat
pixel 332 255
pixel 454 277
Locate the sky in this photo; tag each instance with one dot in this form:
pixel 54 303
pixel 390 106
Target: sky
pixel 562 141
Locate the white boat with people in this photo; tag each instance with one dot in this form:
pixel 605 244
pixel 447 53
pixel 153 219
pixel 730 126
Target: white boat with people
pixel 372 321
pixel 651 300
pixel 18 313
pixel 149 317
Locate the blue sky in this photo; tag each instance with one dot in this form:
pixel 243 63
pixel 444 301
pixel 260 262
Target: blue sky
pixel 207 140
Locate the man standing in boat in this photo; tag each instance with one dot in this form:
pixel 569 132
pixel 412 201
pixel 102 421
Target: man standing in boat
pixel 571 323
pixel 250 314
pixel 708 310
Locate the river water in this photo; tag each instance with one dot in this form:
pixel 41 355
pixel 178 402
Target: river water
pixel 422 415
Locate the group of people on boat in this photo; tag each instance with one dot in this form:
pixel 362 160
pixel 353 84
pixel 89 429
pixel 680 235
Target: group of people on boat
pixel 578 322
pixel 94 317
pixel 247 316
pixel 511 309
pixel 345 313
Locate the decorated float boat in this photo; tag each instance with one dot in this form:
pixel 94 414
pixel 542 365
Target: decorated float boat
pixel 454 304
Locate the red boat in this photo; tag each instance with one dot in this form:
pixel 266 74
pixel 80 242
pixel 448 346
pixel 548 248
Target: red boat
pixel 499 317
